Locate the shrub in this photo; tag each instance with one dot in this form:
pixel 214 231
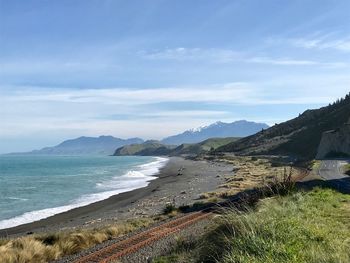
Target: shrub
pixel 347 169
pixel 298 228
pixel 169 208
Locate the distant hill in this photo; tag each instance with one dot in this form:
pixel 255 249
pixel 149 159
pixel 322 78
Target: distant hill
pixel 157 148
pixel 202 147
pixel 299 137
pixel 216 130
pixel 88 145
pixel 151 147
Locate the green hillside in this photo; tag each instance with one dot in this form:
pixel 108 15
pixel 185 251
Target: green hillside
pixel 157 148
pixel 146 148
pixel 202 147
pixel 302 227
pixel 298 137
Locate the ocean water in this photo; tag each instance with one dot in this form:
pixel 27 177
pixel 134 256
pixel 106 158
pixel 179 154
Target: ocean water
pixel 36 187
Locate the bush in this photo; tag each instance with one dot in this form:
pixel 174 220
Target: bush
pixel 347 169
pixel 298 228
pixel 169 208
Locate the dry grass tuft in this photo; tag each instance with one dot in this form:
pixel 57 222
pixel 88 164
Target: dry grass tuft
pixel 46 247
pixel 253 173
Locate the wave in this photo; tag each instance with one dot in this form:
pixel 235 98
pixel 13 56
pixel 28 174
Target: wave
pixel 138 177
pixel 16 198
pixel 129 181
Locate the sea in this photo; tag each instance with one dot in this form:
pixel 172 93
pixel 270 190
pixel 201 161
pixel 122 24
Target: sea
pixel 33 187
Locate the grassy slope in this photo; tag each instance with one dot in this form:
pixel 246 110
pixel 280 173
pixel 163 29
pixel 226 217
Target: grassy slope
pixel 309 227
pixel 156 148
pixel 346 169
pixel 297 137
pixel 147 148
pixel 202 147
pixel 217 142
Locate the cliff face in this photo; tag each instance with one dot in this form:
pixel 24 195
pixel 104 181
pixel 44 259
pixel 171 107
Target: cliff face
pixel 335 143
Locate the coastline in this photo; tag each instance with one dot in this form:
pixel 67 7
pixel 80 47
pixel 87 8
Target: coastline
pixel 137 176
pixel 169 186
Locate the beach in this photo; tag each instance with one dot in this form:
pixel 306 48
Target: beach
pixel 180 182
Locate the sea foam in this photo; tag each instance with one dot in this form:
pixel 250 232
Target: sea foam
pixel 134 179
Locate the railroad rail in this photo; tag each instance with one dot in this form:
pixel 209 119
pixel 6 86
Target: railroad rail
pixel 132 244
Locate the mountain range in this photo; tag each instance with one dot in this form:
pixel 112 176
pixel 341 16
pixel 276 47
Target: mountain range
pixel 218 129
pixel 105 145
pixel 320 132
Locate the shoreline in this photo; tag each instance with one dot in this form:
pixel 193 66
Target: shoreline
pixel 144 173
pixel 169 185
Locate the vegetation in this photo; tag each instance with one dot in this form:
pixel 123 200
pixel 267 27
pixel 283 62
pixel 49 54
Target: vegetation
pixel 297 137
pixel 157 148
pixel 346 169
pixel 202 147
pixel 315 165
pixel 249 173
pixel 182 252
pixel 147 148
pixel 170 209
pixel 46 247
pixel 300 227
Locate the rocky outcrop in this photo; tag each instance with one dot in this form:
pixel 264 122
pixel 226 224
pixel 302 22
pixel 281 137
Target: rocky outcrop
pixel 335 143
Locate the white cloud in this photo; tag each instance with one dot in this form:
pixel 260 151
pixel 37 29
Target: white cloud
pixel 229 92
pixel 186 114
pixel 229 56
pixel 185 54
pixel 65 112
pixel 319 43
pixel 315 41
pixel 281 61
pixel 49 66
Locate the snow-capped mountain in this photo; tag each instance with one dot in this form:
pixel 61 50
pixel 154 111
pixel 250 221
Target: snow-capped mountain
pixel 218 129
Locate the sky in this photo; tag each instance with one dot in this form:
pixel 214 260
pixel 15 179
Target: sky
pixel 154 68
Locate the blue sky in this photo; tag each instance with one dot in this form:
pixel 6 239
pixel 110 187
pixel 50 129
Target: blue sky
pixel 157 67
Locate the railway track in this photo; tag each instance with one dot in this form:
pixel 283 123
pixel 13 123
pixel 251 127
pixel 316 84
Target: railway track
pixel 130 245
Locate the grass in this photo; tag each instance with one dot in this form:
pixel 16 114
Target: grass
pixel 346 169
pixel 315 165
pixel 250 173
pixel 180 254
pixel 47 247
pixel 301 227
pixel 170 210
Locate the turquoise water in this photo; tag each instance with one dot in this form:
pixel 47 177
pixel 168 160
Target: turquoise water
pixel 35 187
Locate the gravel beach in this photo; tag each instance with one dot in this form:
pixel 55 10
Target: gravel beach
pixel 181 182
